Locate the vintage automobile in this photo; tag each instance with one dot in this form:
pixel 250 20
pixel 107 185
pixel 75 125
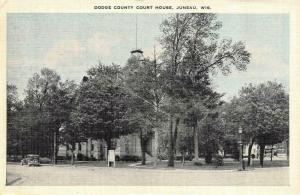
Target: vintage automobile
pixel 31 160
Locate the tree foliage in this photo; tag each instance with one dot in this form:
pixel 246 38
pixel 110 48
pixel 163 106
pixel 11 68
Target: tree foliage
pixel 102 104
pixel 45 108
pixel 192 50
pixel 263 112
pixel 144 81
pixel 14 108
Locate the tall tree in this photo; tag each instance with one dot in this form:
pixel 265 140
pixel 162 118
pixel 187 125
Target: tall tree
pixel 192 50
pixel 144 84
pixel 263 112
pixel 266 112
pixel 199 107
pixel 64 105
pixel 47 107
pixel 212 136
pixel 14 112
pixel 42 120
pixel 102 104
pixel 70 134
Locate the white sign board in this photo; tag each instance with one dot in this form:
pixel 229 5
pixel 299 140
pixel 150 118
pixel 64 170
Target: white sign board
pixel 111 157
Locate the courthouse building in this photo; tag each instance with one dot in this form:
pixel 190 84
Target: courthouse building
pixel 129 145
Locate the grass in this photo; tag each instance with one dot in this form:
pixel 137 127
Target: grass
pixel 229 164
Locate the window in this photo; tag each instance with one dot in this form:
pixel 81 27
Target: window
pixel 67 147
pixel 79 146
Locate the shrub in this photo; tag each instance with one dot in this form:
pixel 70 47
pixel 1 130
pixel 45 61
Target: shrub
pixel 80 157
pixel 68 157
pixel 45 160
pixel 61 158
pixel 219 160
pixel 14 158
pixel 186 157
pixel 236 154
pixel 92 158
pixel 198 163
pixel 85 158
pixel 130 158
pixel 208 158
pixel 162 156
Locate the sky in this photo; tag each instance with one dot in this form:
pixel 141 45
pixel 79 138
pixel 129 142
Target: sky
pixel 73 43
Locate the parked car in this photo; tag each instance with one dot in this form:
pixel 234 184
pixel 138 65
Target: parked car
pixel 31 160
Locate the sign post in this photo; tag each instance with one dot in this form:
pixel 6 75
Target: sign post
pixel 111 157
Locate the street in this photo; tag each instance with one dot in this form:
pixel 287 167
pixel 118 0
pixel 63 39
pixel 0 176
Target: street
pixel 84 175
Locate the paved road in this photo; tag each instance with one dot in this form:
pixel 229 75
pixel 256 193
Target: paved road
pixel 68 175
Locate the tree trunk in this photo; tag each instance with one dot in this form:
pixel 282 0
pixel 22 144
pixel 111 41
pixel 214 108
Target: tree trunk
pixel 54 148
pixel 72 157
pixel 175 135
pixel 108 146
pixel 143 148
pixel 87 149
pixel 249 151
pixel 143 155
pixel 171 151
pixel 272 153
pixel 99 152
pixel 155 146
pixel 261 154
pixel 173 139
pixel 108 143
pixel 287 150
pixel 196 144
pixel 31 142
pixel 55 145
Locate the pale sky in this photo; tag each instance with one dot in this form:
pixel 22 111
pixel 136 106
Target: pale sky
pixel 72 43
